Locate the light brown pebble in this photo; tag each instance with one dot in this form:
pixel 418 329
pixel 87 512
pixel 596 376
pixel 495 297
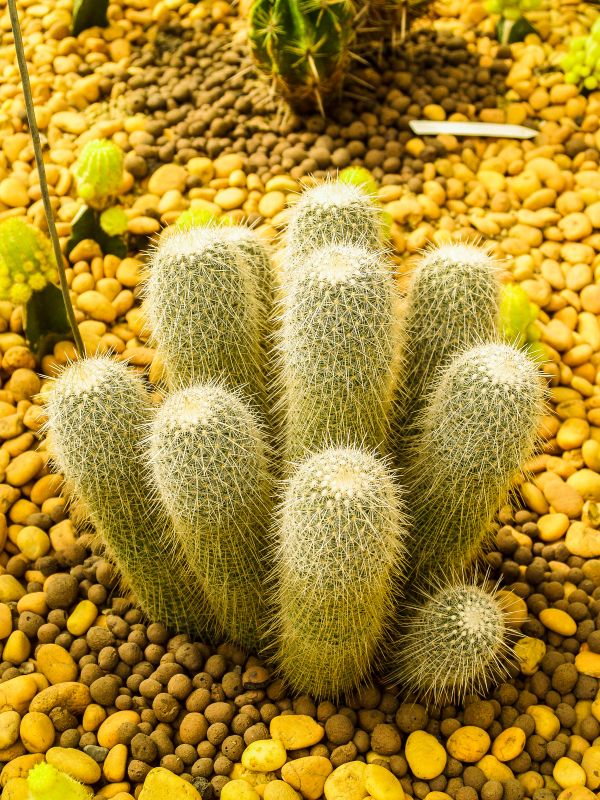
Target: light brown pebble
pixel 167 177
pixel 586 483
pixel 143 226
pixel 231 198
pixel 13 193
pixel 582 540
pixel 97 306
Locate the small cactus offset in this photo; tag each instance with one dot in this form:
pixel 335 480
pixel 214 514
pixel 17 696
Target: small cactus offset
pixel 209 463
pixel 338 350
pixel 303 48
pixel 202 300
pixel 97 411
pixel 45 782
pixel 453 643
pixel 338 558
pixel 477 428
pixel 333 212
pixel 452 303
pixel 27 263
pixel 99 171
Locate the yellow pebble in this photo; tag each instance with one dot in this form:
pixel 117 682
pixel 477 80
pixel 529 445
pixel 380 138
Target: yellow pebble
pixel 16 789
pixel 33 542
pixel 307 775
pixel 75 763
pixel 547 724
pixel 36 732
pixel 590 763
pixel 437 796
pixel 5 621
pixel 530 653
pixel 425 755
pixel 24 468
pixel 347 782
pixel 114 767
pixel 468 743
pixel 577 793
pixel 56 663
pixel 568 773
pixel 17 648
pixel 588 663
pixel 10 589
pixel 277 790
pixel 509 744
pixel 296 731
pixel 552 526
pixel 19 767
pixel 108 732
pixel 531 781
pixel 161 783
pixel 9 728
pixel 495 770
pixel 558 621
pixel 93 716
pixel 82 618
pixel 239 790
pixel 265 755
pixel 382 784
pixel 572 433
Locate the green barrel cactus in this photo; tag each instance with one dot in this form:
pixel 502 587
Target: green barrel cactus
pixel 303 48
pixel 99 171
pixel 338 347
pixel 338 563
pixel 478 426
pixel 27 262
pixel 209 462
pixel 206 316
pixel 45 782
pixel 455 642
pixel 452 303
pixel 98 413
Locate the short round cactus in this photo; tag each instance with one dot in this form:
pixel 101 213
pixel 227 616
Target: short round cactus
pixel 99 171
pixel 333 212
pixel 45 782
pixel 27 263
pixel 114 221
pixel 338 346
pixel 338 560
pixel 194 217
pixel 209 463
pixel 452 644
pixel 361 177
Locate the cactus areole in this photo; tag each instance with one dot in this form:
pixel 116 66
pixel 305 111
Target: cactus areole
pixel 303 46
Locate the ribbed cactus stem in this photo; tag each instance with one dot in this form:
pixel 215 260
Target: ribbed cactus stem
pixel 338 346
pixel 338 562
pixel 478 428
pixel 202 301
pixel 45 782
pixel 452 644
pixel 97 411
pixel 333 212
pixel 451 304
pixel 210 466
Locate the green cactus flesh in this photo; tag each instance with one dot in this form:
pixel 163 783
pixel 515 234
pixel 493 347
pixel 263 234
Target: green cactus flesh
pixel 302 46
pixel 99 171
pixel 338 348
pixel 451 304
pixel 333 212
pixel 27 263
pixel 45 782
pixel 202 301
pixel 97 411
pixel 477 429
pixel 210 466
pixel 338 562
pixel 452 644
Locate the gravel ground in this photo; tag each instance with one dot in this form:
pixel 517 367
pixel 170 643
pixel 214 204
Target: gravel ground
pixel 125 696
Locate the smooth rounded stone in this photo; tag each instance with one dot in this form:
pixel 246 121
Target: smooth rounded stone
pixel 296 731
pixel 572 433
pixel 56 663
pixel 530 653
pixel 381 784
pixel 16 648
pixel 9 728
pixel 558 621
pixel 233 197
pixel 82 618
pixel 37 732
pixel 552 527
pixel 568 773
pixel 161 783
pixel 582 540
pixel 307 775
pixel 509 744
pixel 225 165
pixel 426 757
pixel 468 743
pixel 167 177
pixel 108 732
pixel 71 695
pixel 265 755
pixel 577 793
pixel 271 204
pixel 590 763
pixel 588 663
pixel 143 226
pixel 75 763
pixel 586 483
pixel 96 752
pixel 238 790
pixel 13 193
pixel 495 770
pixel 547 724
pixel 17 693
pixel 279 790
pixel 347 782
pixel 10 589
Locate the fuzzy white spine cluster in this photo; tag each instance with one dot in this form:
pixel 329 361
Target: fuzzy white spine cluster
pixel 453 643
pixel 203 304
pixel 338 348
pixel 97 410
pixel 478 427
pixel 209 462
pixel 338 557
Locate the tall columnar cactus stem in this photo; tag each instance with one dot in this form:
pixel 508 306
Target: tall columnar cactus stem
pixel 453 644
pixel 303 48
pixel 45 782
pixel 478 428
pixel 202 300
pixel 452 303
pixel 97 410
pixel 338 561
pixel 333 212
pixel 210 465
pixel 338 349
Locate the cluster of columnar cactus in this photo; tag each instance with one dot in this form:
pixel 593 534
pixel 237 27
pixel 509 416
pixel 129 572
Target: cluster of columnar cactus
pixel 396 425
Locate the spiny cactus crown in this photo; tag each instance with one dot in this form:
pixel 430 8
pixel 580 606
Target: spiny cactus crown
pixel 26 261
pixel 454 642
pixel 45 782
pixel 99 171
